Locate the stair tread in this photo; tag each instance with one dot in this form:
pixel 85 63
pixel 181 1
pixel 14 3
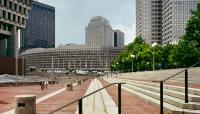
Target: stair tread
pixel 156 101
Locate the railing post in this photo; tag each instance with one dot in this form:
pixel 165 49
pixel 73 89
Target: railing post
pixel 119 98
pixel 186 86
pixel 161 98
pixel 80 106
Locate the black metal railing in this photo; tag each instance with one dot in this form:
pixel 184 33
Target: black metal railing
pixel 186 85
pixel 80 105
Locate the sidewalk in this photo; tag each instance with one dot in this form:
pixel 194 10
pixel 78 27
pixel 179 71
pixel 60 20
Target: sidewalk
pixel 7 94
pixel 98 103
pixel 47 100
pixel 62 99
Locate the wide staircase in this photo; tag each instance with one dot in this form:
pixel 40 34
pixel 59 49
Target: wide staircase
pixel 173 96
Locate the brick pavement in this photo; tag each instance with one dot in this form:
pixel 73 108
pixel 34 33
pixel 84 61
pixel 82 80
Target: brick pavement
pixel 62 99
pixel 130 103
pixel 7 94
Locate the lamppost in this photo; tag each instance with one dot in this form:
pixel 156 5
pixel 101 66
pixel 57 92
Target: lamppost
pixel 132 56
pixel 117 68
pixel 148 65
pixel 122 66
pixel 153 45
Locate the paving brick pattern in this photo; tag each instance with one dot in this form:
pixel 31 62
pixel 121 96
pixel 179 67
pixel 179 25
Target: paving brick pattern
pixel 130 103
pixel 7 94
pixel 62 99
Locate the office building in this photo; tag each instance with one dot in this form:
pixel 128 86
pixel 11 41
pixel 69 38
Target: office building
pixel 118 38
pixel 40 28
pixel 99 33
pixel 13 16
pixel 163 21
pixel 175 15
pixel 71 57
pixel 149 20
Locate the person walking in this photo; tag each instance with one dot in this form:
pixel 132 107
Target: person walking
pixel 46 84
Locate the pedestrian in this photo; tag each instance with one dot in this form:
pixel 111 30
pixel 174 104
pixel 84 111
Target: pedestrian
pixel 42 85
pixel 46 84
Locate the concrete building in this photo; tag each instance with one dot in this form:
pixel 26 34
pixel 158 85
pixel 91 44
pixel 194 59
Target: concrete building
pixel 118 38
pixel 149 20
pixel 175 14
pixel 40 28
pixel 99 33
pixel 71 57
pixel 13 16
pixel 163 21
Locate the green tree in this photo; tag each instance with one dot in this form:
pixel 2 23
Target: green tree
pixel 193 27
pixel 184 54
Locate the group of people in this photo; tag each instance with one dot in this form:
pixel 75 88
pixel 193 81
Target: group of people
pixel 44 85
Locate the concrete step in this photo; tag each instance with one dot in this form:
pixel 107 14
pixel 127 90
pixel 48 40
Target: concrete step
pixel 172 105
pixel 154 92
pixel 192 91
pixel 177 98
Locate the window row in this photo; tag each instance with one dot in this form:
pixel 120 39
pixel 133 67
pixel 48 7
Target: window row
pixel 12 17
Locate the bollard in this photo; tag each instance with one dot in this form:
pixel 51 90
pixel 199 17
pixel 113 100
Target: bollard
pixel 25 104
pixel 69 87
pixel 79 82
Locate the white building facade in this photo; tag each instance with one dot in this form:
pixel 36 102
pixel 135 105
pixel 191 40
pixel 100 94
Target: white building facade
pixel 175 14
pixel 163 21
pixel 70 57
pixel 149 20
pixel 99 33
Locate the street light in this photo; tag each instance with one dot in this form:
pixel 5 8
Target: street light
pixel 153 45
pixel 132 56
pixel 122 66
pixel 117 68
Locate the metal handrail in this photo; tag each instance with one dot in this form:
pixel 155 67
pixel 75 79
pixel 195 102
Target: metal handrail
pixel 186 85
pixel 80 99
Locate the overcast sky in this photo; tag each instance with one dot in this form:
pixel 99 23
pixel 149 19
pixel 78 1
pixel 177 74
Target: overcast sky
pixel 72 16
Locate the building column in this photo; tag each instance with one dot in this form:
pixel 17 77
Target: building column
pixel 3 46
pixel 12 43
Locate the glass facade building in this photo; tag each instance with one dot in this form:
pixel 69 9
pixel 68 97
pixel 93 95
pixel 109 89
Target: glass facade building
pixel 40 28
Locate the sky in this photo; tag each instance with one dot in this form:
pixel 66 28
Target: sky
pixel 72 16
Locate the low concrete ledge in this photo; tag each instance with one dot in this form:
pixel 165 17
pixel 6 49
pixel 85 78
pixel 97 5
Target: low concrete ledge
pixel 79 82
pixel 7 84
pixel 25 104
pixel 69 87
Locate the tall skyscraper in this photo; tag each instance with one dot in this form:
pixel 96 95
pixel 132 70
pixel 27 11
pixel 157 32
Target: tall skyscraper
pixel 13 15
pixel 163 20
pixel 40 28
pixel 176 13
pixel 99 33
pixel 149 20
pixel 118 38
